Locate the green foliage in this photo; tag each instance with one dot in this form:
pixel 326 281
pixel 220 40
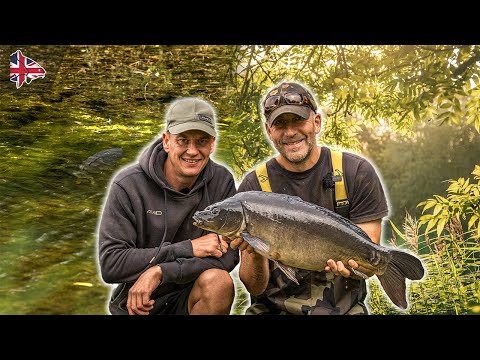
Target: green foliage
pixel 452 259
pixel 415 167
pixel 451 284
pixel 242 143
pixel 399 85
pixel 447 289
pixel 461 203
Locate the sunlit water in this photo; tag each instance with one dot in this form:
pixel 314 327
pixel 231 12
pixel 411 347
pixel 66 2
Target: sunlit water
pixel 48 223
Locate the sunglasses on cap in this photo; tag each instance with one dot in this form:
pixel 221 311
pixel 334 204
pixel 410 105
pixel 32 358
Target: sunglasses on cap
pixel 273 102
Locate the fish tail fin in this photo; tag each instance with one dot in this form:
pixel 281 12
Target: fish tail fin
pixel 402 266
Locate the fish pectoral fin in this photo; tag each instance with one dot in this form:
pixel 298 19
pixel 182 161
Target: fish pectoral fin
pixel 257 243
pixel 357 272
pixel 288 271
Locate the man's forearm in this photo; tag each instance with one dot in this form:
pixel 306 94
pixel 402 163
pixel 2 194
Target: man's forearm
pixel 254 272
pixel 182 271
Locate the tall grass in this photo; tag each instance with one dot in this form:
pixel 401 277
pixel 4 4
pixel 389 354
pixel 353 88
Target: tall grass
pixel 242 297
pixel 451 284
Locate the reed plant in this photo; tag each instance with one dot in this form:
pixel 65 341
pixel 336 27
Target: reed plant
pixel 452 262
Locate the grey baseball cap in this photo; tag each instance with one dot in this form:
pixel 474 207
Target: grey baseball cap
pixel 190 114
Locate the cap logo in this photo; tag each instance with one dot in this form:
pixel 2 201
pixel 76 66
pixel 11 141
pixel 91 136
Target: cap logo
pixel 204 118
pixel 285 87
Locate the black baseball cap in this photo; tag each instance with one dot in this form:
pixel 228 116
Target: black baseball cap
pixel 288 97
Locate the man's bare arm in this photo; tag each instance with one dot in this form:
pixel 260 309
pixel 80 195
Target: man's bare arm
pixel 254 272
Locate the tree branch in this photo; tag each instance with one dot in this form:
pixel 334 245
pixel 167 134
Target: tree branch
pixel 239 165
pixel 245 146
pixel 462 68
pixel 246 79
pixel 307 61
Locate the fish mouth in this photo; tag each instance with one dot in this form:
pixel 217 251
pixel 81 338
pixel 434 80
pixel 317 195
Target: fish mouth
pixel 197 221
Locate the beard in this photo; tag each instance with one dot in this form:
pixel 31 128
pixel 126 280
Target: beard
pixel 296 156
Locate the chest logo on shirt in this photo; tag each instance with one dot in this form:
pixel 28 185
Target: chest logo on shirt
pixel 154 212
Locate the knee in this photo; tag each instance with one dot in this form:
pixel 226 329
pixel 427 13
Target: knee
pixel 216 281
pixel 212 293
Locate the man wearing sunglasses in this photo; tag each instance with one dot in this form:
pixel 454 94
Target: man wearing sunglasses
pixel 147 242
pixel 301 168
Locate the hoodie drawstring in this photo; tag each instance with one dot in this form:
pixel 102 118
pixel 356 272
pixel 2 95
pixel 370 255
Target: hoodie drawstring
pixel 205 190
pixel 164 231
pixel 205 195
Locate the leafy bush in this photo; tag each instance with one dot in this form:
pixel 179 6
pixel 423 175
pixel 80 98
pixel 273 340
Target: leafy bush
pixel 452 258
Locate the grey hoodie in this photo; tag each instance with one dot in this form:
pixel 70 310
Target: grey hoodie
pixel 142 210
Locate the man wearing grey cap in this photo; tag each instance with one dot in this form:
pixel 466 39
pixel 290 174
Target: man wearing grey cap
pixel 303 168
pixel 147 242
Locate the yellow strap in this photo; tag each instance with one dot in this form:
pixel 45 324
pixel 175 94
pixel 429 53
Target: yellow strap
pixel 340 192
pixel 262 177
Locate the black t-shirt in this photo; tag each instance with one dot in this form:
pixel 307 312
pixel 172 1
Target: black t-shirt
pixel 319 292
pixel 364 188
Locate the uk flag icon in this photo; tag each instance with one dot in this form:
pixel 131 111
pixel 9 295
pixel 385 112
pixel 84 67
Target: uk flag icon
pixel 23 69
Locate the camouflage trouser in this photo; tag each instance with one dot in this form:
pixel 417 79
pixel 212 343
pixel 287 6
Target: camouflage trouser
pixel 318 303
pixel 261 309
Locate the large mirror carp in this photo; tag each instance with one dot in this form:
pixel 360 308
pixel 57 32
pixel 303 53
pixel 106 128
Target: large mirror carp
pixel 297 234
